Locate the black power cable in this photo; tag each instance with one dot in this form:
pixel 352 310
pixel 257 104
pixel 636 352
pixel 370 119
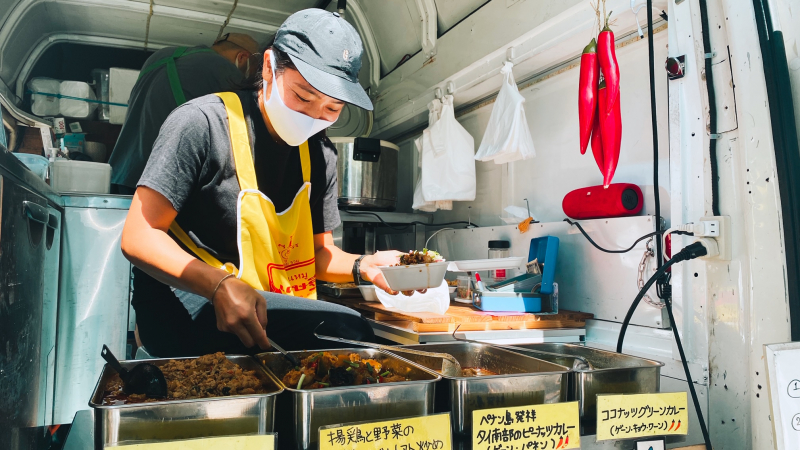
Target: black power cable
pixel 591 241
pixel 712 107
pixel 415 222
pixel 695 400
pixel 692 251
pixel 654 123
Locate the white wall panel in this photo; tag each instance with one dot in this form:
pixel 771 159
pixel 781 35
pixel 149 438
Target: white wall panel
pixel 551 109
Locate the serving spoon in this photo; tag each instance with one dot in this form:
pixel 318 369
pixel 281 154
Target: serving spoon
pixel 144 378
pixel 579 363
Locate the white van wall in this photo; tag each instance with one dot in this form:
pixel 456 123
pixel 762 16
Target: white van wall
pixel 558 168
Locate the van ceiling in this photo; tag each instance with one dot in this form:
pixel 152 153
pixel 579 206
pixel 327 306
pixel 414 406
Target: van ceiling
pixel 391 27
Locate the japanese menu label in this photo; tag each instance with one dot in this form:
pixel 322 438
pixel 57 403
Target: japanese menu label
pixel 641 415
pixel 539 427
pixel 414 433
pixel 262 442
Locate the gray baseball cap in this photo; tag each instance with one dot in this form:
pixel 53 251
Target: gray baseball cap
pixel 327 51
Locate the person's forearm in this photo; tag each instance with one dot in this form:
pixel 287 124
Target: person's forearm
pixel 154 252
pixel 147 245
pixel 334 265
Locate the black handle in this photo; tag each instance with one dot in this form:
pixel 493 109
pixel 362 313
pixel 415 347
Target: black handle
pixel 52 221
pixel 341 5
pixel 366 149
pixel 37 213
pixel 114 363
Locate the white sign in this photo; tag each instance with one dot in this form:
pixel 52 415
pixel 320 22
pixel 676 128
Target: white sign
pixel 783 380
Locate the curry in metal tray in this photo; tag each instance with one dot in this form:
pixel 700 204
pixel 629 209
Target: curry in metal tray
pixel 323 369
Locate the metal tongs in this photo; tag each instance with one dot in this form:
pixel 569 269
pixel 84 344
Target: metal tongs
pixel 580 364
pixel 450 365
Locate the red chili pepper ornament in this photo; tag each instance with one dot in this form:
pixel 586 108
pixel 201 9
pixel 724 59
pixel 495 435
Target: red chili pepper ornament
pixel 587 93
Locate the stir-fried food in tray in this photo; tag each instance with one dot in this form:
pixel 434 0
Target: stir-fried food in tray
pixel 203 377
pixel 420 257
pixel 323 369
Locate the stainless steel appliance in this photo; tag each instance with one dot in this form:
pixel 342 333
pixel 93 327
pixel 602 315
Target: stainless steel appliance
pixel 47 365
pixel 27 233
pixel 367 172
pixel 94 296
pixel 185 419
pixel 305 410
pixel 522 381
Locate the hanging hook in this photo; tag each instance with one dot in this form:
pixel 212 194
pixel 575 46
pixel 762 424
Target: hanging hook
pixel 438 93
pixel 451 88
pixel 636 16
pixel 510 53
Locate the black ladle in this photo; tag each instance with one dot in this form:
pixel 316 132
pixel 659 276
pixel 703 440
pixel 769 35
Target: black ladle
pixel 144 378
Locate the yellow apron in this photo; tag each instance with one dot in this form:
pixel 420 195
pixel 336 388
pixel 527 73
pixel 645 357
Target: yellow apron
pixel 276 249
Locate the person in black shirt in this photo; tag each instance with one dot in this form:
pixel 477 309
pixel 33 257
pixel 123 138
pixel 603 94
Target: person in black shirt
pixel 237 202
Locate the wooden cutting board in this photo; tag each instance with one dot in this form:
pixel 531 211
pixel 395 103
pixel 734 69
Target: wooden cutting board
pixel 463 313
pixel 468 318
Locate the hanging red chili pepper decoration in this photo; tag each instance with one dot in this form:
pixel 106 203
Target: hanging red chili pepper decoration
pixel 607 55
pixel 587 94
pixel 611 136
pixel 597 142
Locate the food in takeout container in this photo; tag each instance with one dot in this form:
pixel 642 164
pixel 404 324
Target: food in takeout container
pixel 420 257
pixel 417 270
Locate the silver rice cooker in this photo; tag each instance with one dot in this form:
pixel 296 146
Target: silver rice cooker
pixel 367 173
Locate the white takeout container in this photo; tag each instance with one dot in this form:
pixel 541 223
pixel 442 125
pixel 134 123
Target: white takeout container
pixel 368 292
pixel 415 277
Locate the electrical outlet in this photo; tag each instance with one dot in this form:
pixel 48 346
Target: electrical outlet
pixel 719 228
pixel 652 444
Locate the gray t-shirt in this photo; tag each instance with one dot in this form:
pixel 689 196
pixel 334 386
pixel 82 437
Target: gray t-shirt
pixel 192 166
pixel 152 100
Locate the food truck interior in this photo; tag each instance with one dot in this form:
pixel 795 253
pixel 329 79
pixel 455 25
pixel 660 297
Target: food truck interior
pixel 604 195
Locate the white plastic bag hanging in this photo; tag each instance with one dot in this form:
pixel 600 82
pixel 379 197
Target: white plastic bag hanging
pixel 435 300
pixel 434 109
pixel 507 136
pixel 448 168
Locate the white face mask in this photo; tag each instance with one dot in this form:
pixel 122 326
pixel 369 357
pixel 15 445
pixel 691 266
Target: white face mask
pixel 292 126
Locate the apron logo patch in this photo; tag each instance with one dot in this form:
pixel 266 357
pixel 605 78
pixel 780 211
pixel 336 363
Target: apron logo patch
pixel 286 250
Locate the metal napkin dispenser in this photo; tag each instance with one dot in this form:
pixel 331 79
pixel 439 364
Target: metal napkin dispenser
pixel 530 292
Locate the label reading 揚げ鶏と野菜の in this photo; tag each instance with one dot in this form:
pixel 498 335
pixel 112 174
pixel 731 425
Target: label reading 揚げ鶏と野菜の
pixel 641 415
pixel 552 426
pixel 412 433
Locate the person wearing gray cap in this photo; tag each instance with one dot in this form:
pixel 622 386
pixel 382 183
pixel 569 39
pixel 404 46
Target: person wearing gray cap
pixel 168 79
pixel 230 226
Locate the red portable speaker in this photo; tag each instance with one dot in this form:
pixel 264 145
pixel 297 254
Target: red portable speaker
pixel 596 202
